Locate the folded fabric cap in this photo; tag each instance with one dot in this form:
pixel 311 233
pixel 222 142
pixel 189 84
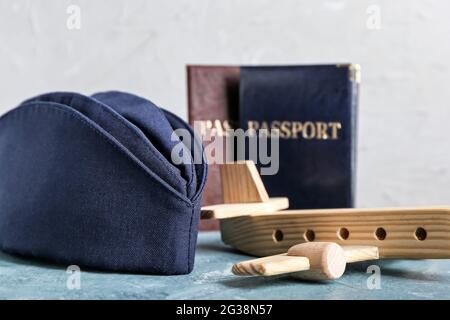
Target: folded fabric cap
pixel 90 181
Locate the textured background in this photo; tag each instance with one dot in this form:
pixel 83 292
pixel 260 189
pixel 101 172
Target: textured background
pixel 143 47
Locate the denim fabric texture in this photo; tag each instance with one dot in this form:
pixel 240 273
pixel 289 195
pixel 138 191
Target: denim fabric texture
pixel 89 181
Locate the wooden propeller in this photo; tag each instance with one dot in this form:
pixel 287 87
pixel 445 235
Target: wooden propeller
pixel 310 261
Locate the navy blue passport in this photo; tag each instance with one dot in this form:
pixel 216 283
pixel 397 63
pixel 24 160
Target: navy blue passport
pixel 314 109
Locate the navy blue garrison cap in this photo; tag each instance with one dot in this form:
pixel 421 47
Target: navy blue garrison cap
pixel 90 181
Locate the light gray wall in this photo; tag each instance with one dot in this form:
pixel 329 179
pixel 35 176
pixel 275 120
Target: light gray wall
pixel 143 47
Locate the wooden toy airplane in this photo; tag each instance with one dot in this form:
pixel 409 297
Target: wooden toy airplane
pixel 317 244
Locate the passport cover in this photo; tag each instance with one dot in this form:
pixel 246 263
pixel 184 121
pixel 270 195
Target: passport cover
pixel 315 109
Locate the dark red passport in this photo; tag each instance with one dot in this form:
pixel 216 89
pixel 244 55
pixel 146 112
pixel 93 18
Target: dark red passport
pixel 213 98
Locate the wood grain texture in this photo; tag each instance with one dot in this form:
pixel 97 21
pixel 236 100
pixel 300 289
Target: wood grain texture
pixel 326 259
pixel 333 261
pixel 411 233
pixel 270 266
pixel 223 211
pixel 241 183
pixel 308 261
pixel 360 253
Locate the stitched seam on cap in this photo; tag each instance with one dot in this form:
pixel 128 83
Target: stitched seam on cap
pixel 190 238
pixel 123 121
pixel 158 109
pixel 191 178
pixel 59 107
pixel 74 95
pixel 204 179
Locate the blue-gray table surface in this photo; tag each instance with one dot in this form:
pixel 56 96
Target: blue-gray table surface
pixel 211 279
